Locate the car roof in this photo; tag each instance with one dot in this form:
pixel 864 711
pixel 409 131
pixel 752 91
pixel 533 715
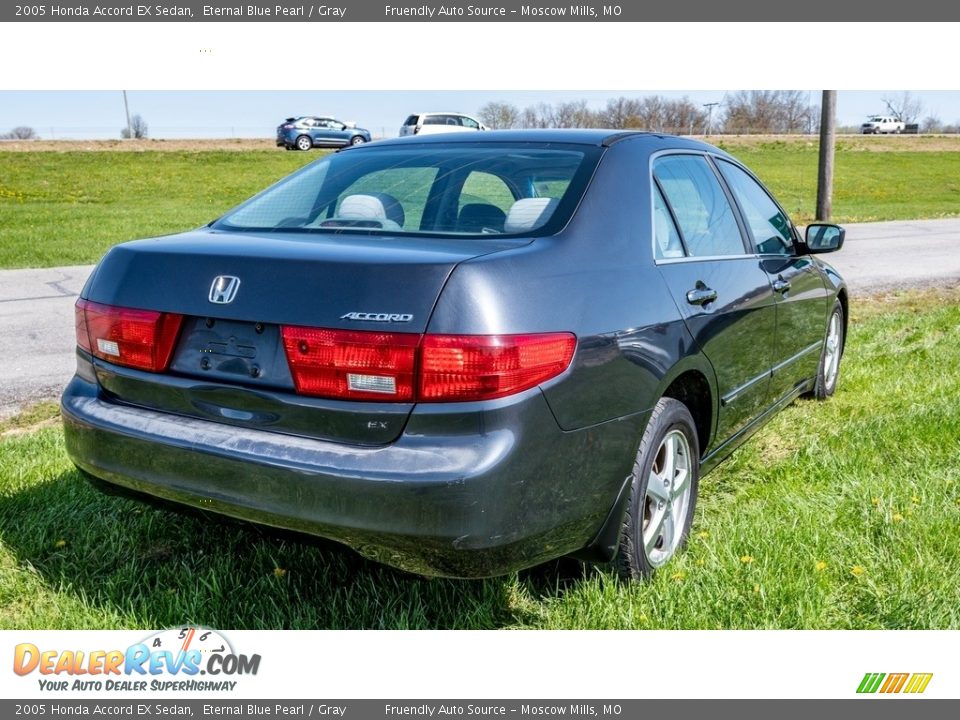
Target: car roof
pixel 596 137
pixel 442 112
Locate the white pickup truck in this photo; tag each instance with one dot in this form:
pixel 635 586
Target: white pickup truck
pixel 877 124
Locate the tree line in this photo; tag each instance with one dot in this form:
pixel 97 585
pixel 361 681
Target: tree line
pixel 741 113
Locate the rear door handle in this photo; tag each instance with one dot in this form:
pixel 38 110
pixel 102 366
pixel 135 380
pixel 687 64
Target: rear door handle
pixel 701 295
pixel 780 285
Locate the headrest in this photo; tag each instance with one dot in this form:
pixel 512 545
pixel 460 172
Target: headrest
pixel 529 213
pixel 373 206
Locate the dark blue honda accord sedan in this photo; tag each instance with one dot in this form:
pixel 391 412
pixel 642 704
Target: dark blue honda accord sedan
pixel 460 355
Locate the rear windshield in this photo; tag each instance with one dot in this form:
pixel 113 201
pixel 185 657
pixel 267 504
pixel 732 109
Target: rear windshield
pixel 469 189
pixel 412 120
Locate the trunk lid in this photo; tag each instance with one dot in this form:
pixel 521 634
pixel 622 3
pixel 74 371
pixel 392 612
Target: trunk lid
pixel 229 363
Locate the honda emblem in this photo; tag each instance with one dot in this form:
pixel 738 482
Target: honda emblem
pixel 224 289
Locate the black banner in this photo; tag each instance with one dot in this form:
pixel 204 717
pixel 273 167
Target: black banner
pixel 480 11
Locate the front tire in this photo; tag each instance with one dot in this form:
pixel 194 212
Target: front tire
pixel 357 140
pixel 304 143
pixel 828 372
pixel 663 492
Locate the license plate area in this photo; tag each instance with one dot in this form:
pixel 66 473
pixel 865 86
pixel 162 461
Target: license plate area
pixel 250 353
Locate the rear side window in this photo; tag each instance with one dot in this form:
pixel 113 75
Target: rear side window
pixel 700 205
pixel 768 224
pixel 435 120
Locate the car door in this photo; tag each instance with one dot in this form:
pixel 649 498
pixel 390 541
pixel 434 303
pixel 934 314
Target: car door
pixel 722 292
pixel 322 132
pixel 799 289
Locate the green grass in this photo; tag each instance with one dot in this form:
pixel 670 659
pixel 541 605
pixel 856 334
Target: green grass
pixel 63 208
pixel 844 514
pixel 70 208
pixel 868 186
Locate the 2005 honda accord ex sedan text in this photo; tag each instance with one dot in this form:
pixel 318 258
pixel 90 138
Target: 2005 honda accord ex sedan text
pixel 461 354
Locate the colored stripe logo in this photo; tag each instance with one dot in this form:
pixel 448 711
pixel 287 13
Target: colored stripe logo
pixel 913 683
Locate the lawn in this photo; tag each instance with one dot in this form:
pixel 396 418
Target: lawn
pixel 844 514
pixel 868 185
pixel 64 208
pixel 69 208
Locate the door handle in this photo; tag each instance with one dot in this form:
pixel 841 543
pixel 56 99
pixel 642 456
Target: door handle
pixel 701 295
pixel 780 285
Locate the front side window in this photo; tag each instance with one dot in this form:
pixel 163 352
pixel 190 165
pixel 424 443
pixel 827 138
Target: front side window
pixel 767 223
pixel 451 189
pixel 470 123
pixel 705 218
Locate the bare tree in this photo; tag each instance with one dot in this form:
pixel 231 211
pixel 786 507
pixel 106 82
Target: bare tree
pixel 537 116
pixel 905 107
pixel 573 114
pixel 138 126
pixel 621 113
pixel 499 115
pixel 683 117
pixel 767 111
pixel 21 132
pixel 931 124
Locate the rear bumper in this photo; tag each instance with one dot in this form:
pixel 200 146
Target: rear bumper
pixel 504 490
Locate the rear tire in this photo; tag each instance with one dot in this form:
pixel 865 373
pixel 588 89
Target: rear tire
pixel 828 371
pixel 663 492
pixel 304 143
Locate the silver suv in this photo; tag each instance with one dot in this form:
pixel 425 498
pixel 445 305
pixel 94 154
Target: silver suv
pixel 439 122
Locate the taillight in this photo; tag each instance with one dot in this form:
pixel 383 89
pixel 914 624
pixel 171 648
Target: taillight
pixel 482 367
pixel 405 367
pixel 142 339
pixel 351 364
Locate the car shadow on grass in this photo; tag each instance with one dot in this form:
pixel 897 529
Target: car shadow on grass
pixel 157 568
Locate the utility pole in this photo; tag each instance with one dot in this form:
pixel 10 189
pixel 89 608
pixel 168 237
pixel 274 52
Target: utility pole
pixel 127 110
pixel 710 107
pixel 828 139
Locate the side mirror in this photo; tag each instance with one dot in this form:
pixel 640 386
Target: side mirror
pixel 824 238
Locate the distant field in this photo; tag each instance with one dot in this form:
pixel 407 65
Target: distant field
pixel 64 203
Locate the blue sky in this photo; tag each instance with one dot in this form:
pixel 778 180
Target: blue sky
pixel 173 114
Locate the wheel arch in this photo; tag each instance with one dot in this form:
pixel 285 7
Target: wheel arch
pixel 693 383
pixel 693 390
